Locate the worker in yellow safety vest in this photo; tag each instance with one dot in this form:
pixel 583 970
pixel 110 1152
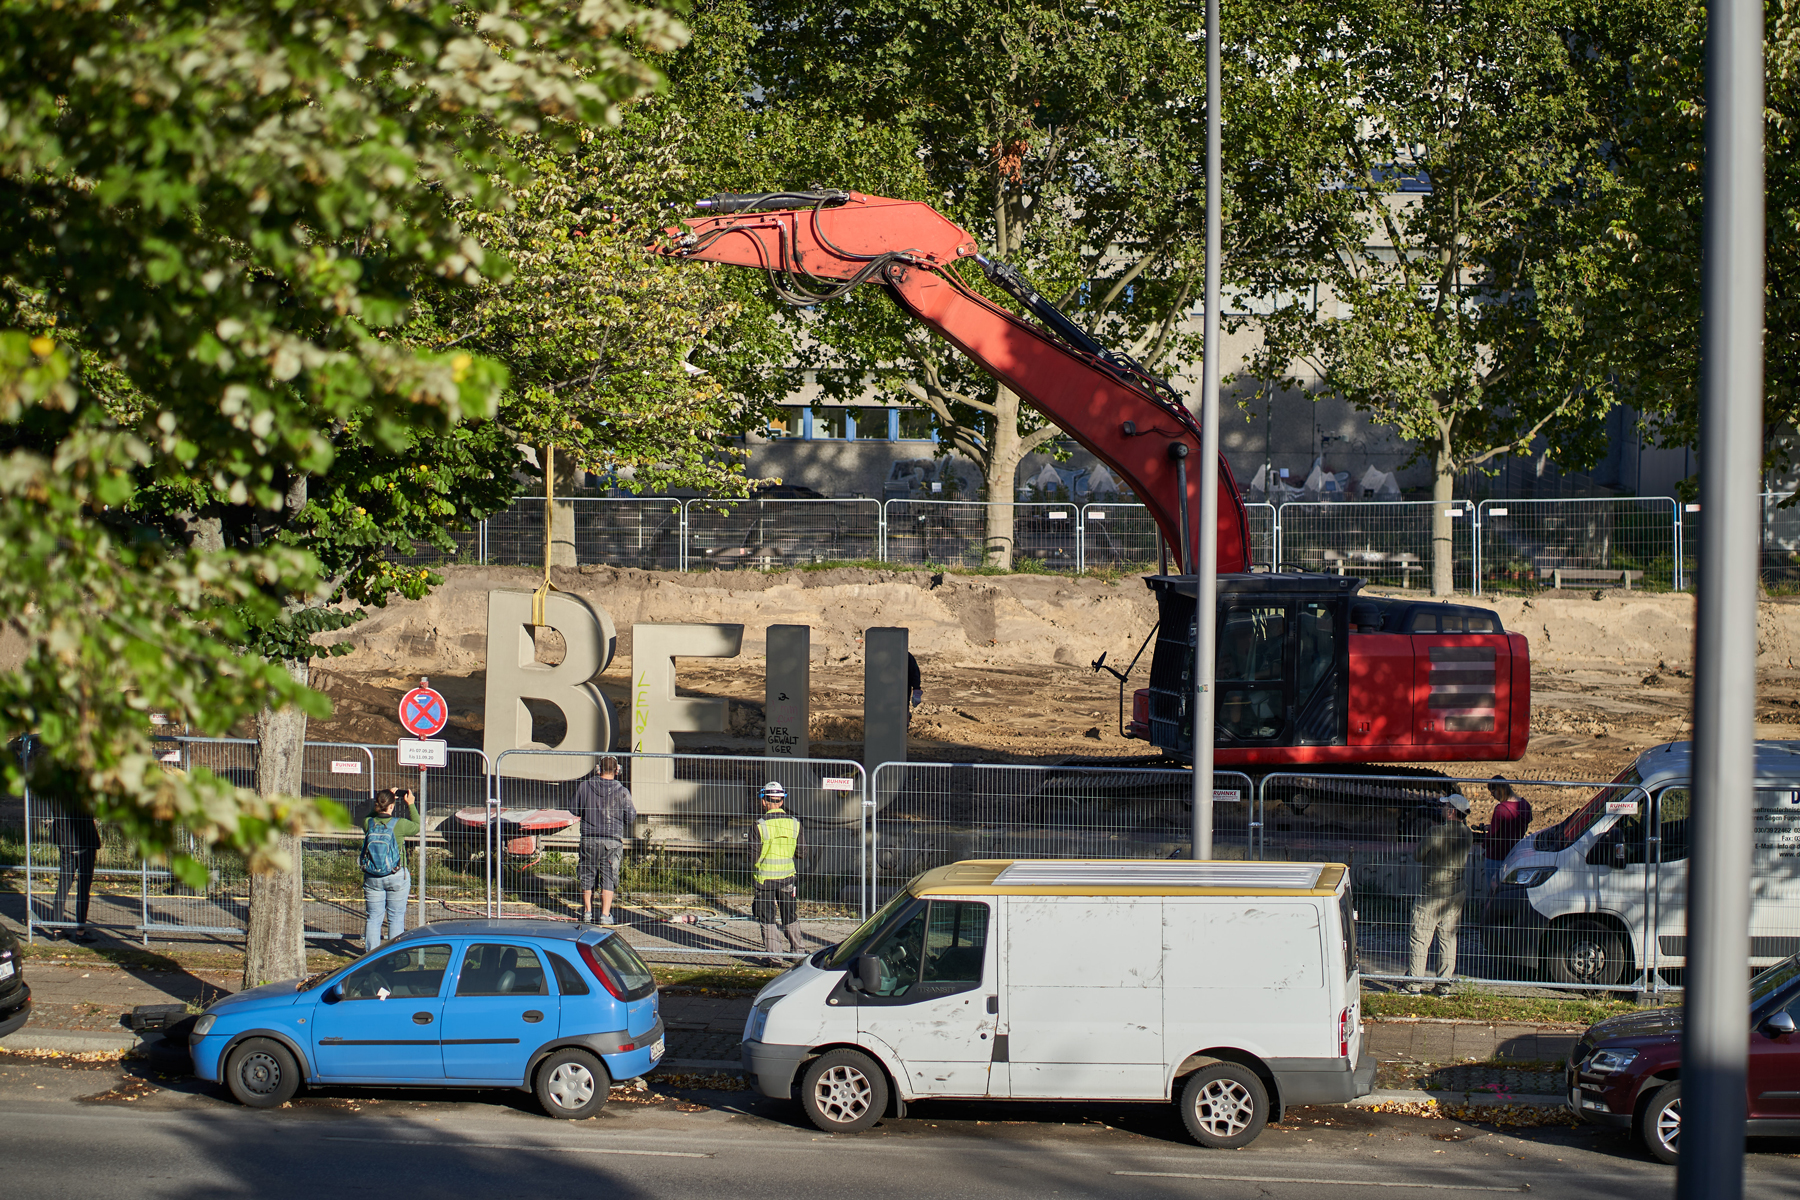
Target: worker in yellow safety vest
pixel 780 845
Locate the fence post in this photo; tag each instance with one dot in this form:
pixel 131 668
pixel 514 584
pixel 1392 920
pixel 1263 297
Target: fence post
pixel 30 912
pixel 1276 565
pixel 1476 554
pixel 1080 539
pixel 681 536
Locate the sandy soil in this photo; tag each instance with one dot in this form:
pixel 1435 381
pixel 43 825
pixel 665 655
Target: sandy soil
pixel 1005 661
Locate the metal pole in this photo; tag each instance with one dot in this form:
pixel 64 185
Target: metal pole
pixel 1717 1029
pixel 1206 566
pixel 421 845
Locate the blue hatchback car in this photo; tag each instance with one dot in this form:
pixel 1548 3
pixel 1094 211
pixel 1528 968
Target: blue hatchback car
pixel 560 1010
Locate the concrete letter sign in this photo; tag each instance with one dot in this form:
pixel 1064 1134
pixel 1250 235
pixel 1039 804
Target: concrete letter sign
pixel 514 676
pixel 884 697
pixel 655 712
pixel 787 687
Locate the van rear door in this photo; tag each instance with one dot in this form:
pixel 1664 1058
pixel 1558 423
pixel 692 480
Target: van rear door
pixel 1084 1002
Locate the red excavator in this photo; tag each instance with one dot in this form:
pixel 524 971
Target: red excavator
pixel 1309 670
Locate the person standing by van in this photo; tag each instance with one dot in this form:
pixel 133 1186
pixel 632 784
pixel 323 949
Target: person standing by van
pixel 1510 822
pixel 780 845
pixel 1444 853
pixel 387 884
pixel 608 817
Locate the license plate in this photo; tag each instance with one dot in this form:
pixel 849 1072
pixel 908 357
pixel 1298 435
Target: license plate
pixel 6 970
pixel 656 1051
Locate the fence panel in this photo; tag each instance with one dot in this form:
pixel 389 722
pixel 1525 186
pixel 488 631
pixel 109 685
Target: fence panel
pixel 222 907
pixel 930 814
pixel 1265 532
pixel 775 533
pixel 1530 544
pixel 1119 537
pixel 1503 932
pixel 467 549
pixel 685 883
pixel 954 533
pixel 1387 543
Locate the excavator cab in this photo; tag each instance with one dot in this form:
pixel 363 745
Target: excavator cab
pixel 1282 668
pixel 1309 671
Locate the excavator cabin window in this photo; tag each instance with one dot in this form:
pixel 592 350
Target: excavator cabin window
pixel 1277 672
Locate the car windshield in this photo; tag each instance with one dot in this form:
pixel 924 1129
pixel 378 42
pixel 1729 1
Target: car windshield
pixel 846 951
pixel 1774 979
pixel 1563 835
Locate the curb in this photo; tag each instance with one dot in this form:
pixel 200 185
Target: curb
pixel 68 1041
pixel 1484 1099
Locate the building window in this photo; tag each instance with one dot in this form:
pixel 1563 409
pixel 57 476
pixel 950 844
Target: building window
pixel 827 423
pixel 915 425
pixel 871 424
pixel 788 423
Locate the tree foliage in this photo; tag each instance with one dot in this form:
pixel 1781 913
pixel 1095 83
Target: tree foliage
pixel 219 217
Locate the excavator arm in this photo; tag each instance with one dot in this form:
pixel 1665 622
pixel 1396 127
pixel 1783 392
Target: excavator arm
pixel 816 246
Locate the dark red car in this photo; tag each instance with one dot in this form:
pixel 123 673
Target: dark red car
pixel 1626 1071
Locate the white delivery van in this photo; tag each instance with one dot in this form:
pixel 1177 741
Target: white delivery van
pixel 1230 987
pixel 1602 894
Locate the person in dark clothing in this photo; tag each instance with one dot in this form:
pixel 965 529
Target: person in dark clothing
pixel 915 684
pixel 1510 822
pixel 77 839
pixel 607 818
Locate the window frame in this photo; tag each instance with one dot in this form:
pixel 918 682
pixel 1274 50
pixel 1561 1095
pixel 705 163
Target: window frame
pixel 544 972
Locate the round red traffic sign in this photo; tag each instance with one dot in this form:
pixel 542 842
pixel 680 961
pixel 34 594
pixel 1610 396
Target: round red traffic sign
pixel 423 712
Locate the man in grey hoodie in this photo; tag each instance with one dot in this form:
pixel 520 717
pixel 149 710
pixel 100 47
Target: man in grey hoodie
pixel 607 819
pixel 1444 854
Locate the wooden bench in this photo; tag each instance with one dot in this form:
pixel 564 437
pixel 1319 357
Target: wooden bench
pixel 1588 575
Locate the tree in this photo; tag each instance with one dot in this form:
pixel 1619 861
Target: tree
pixel 1452 151
pixel 1645 314
pixel 1068 140
pixel 219 217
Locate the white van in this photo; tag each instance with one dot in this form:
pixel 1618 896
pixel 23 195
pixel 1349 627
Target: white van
pixel 1578 901
pixel 1229 986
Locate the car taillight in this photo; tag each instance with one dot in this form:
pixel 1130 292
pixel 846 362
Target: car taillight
pixel 604 973
pixel 1344 1034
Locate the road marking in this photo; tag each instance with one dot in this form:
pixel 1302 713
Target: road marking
pixel 1441 1187
pixel 521 1146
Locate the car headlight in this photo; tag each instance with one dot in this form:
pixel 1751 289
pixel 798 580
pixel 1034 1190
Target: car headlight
pixel 1529 876
pixel 759 1019
pixel 1609 1062
pixel 204 1025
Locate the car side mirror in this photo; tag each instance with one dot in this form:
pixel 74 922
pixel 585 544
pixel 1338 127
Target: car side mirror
pixel 1778 1025
pixel 868 972
pixel 333 994
pixel 1620 856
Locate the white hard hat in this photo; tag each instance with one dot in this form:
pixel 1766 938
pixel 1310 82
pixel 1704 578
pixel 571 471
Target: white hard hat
pixel 1458 801
pixel 774 791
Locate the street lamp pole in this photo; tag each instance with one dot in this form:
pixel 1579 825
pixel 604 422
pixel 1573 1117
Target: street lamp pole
pixel 1206 565
pixel 1716 1033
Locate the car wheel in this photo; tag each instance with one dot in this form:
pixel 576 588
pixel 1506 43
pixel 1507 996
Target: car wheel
pixel 261 1073
pixel 1224 1106
pixel 1662 1123
pixel 572 1084
pixel 1587 952
pixel 844 1091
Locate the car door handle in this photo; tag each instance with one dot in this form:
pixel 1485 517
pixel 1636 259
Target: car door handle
pixel 422 1018
pixel 993 1004
pixel 533 1016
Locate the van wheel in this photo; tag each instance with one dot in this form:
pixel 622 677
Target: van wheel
pixel 262 1074
pixel 1662 1123
pixel 1224 1106
pixel 1586 951
pixel 843 1091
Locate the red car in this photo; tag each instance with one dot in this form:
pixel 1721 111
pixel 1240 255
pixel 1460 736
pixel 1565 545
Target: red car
pixel 1626 1071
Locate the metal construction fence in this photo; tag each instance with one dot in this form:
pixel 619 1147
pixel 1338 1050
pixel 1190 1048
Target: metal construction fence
pixel 1596 899
pixel 1496 545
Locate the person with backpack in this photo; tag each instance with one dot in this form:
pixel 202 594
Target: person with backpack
pixel 387 884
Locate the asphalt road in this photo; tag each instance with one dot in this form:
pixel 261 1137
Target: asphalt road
pixel 106 1133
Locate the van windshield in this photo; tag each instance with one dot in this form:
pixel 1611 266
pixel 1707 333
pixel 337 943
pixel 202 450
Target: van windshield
pixel 1562 836
pixel 845 952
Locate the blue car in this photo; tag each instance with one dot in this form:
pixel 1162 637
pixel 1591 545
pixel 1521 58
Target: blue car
pixel 560 1010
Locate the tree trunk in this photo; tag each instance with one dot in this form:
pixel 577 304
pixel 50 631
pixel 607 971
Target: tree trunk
pixel 1002 469
pixel 276 944
pixel 562 518
pixel 1443 532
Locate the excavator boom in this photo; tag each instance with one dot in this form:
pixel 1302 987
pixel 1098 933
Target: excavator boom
pixel 818 245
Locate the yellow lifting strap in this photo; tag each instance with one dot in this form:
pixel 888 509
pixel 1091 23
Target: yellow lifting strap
pixel 542 595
